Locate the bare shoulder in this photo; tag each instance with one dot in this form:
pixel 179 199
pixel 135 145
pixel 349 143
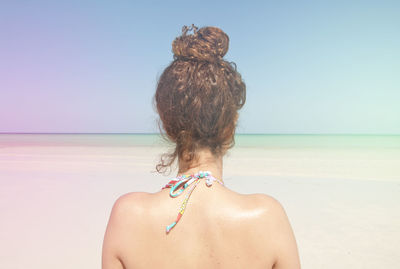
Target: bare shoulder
pixel 272 213
pixel 265 200
pixel 265 204
pixel 275 225
pixel 130 204
pixel 125 213
pixel 131 199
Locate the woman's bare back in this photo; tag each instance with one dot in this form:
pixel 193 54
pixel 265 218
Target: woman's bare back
pixel 220 229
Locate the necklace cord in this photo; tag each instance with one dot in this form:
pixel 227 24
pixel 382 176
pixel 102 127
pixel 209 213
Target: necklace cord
pixel 187 180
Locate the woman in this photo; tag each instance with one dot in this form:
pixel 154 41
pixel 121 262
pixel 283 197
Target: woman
pixel 198 97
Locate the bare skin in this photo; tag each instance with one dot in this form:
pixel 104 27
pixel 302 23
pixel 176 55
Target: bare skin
pixel 219 229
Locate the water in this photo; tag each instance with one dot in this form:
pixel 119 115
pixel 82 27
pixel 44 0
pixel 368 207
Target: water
pixel 375 142
pixel 321 141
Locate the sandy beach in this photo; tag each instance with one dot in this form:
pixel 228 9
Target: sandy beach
pixel 55 201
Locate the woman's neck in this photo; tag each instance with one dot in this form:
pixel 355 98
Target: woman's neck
pixel 205 161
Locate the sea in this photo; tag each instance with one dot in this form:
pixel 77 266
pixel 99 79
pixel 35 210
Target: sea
pixel 274 141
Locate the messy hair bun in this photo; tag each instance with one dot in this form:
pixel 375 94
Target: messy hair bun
pixel 207 44
pixel 198 96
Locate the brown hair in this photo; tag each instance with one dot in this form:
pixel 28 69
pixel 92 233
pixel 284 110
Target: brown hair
pixel 198 96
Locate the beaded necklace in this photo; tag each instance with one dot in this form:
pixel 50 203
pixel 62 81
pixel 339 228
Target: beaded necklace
pixel 187 180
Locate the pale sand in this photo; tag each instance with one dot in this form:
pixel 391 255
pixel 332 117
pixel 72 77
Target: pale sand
pixel 344 206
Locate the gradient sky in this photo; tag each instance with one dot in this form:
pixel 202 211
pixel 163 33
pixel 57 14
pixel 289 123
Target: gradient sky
pixel 92 66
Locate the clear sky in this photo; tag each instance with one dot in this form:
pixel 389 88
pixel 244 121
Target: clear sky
pixel 92 66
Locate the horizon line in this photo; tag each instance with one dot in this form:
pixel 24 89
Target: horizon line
pixel 144 133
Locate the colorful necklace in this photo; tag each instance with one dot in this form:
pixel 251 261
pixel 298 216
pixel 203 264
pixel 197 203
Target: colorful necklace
pixel 187 180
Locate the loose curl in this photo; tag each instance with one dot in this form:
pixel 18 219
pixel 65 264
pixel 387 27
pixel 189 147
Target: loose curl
pixel 198 96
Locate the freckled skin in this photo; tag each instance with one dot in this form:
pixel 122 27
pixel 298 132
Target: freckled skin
pixel 219 229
